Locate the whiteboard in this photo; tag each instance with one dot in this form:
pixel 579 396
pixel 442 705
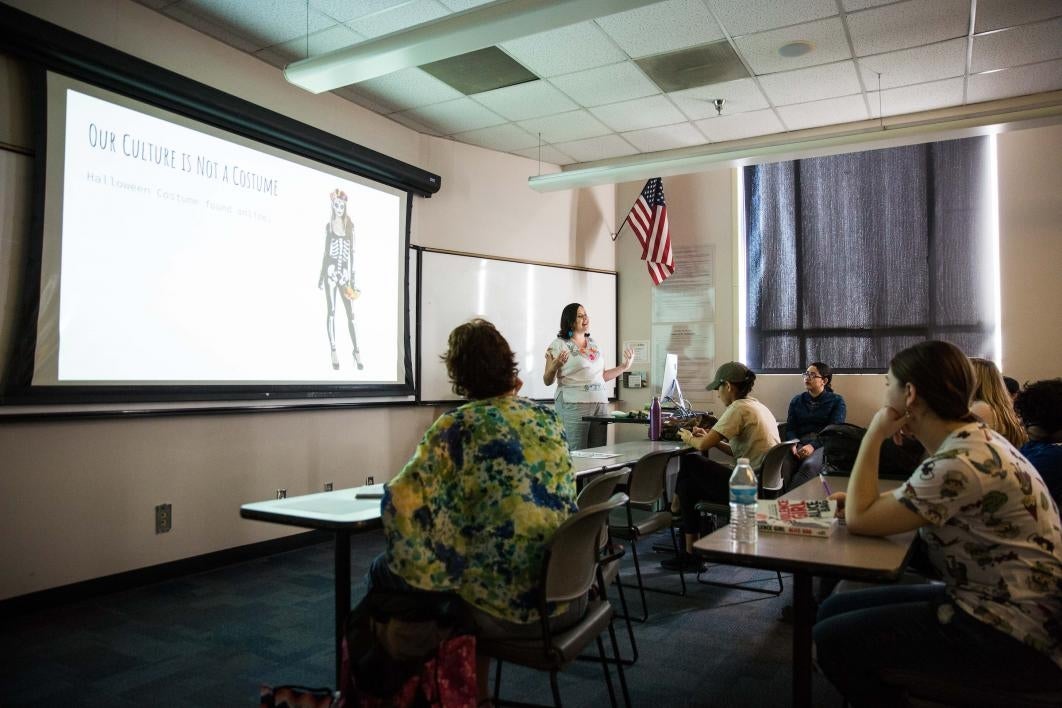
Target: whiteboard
pixel 523 300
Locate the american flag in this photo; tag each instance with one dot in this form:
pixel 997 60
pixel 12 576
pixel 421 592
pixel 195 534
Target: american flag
pixel 648 220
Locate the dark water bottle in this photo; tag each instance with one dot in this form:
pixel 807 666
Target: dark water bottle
pixel 654 419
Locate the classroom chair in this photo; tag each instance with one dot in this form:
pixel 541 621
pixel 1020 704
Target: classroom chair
pixel 647 512
pixel 570 567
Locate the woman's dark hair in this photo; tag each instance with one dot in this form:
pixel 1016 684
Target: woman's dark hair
pixel 479 361
pixel 824 371
pixel 743 388
pixel 567 321
pixel 942 376
pixel 1040 405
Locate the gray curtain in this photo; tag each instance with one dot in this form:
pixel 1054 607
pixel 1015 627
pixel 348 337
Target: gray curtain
pixel 854 257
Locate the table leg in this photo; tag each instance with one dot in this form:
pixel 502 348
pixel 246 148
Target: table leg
pixel 342 573
pixel 803 619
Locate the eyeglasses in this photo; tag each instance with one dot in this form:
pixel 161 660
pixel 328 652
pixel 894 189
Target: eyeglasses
pixel 811 375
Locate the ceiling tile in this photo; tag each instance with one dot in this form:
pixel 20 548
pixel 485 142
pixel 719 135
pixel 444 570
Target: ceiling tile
pixel 265 24
pixel 827 37
pixel 1027 44
pixel 505 137
pixel 458 116
pixel 914 66
pixel 1021 81
pixel 663 27
pixel 408 88
pixel 335 37
pixel 574 125
pixel 411 123
pixel 351 94
pixel 462 5
pixel 666 137
pixel 399 17
pixel 811 84
pixel 345 10
pixel 564 50
pixel 606 84
pixel 908 24
pixel 853 5
pixel 740 125
pixel 997 14
pixel 913 99
pixel 740 17
pixel 530 100
pixel 547 153
pixel 741 95
pixel 220 29
pixel 639 113
pixel 598 148
pixel 829 112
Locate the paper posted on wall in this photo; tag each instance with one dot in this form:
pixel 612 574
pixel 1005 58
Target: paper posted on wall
pixel 804 517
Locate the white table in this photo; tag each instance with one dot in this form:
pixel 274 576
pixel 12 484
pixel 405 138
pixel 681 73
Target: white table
pixel 841 555
pixel 625 453
pixel 340 512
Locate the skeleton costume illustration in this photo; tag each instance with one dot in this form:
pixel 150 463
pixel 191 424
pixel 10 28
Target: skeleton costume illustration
pixel 337 273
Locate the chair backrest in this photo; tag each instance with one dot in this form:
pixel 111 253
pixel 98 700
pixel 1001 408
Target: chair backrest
pixel 600 488
pixel 777 467
pixel 570 565
pixel 648 477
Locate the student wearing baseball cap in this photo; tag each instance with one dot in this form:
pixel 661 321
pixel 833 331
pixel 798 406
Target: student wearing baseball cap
pixel 746 429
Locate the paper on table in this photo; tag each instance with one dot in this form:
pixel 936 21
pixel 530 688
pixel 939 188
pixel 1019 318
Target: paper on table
pixel 594 455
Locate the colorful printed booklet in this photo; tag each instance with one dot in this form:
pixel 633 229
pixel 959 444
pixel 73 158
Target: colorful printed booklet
pixel 805 517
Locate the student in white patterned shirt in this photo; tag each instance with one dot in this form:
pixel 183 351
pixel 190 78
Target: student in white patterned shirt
pixel 992 531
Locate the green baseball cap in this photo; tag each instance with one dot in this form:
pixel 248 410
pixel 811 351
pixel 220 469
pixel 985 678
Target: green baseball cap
pixel 732 371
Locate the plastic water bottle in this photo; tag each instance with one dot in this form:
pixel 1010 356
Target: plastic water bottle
pixel 654 419
pixel 743 503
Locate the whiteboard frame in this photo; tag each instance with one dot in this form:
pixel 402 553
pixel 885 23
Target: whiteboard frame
pixel 418 268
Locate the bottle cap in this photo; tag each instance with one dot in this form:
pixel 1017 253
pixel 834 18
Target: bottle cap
pixel 743 461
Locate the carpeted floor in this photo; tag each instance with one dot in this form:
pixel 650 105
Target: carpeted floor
pixel 210 639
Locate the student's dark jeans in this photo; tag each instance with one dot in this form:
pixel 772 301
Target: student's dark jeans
pixel 880 644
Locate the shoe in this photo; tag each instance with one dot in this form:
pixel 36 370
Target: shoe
pixel 686 563
pixel 335 360
pixel 357 360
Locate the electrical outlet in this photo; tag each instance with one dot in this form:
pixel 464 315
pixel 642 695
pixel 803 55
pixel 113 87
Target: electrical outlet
pixel 163 518
pixel 370 480
pixel 282 494
pixel 328 486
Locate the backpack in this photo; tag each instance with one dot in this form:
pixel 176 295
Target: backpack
pixel 841 445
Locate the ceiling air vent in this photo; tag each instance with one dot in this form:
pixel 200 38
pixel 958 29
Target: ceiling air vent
pixel 697 66
pixel 479 71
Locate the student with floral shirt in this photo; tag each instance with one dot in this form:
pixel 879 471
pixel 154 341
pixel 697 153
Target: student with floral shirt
pixel 992 531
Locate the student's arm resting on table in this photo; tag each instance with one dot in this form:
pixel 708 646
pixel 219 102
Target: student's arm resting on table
pixel 867 511
pixel 704 440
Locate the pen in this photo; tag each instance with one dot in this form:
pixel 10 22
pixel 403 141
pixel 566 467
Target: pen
pixel 824 485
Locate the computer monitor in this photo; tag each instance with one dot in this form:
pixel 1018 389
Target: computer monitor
pixel 669 385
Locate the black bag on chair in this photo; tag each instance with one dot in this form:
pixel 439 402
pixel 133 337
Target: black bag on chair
pixel 840 445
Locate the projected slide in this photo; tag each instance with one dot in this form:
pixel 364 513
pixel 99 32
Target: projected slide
pixel 185 256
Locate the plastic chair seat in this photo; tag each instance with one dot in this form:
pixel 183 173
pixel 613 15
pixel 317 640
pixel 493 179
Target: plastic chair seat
pixel 565 645
pixel 645 523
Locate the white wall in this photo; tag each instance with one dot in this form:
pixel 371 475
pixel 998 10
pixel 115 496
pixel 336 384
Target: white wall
pixel 79 496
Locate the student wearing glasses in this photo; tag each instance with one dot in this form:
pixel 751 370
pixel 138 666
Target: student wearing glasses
pixel 810 412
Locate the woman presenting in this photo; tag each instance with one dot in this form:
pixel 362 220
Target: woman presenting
pixel 575 363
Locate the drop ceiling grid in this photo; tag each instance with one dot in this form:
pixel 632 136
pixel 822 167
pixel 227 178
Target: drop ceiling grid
pixel 592 99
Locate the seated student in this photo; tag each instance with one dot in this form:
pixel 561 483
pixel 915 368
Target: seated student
pixel 991 531
pixel 993 405
pixel 745 429
pixel 810 412
pixel 1012 386
pixel 1040 406
pixel 487 486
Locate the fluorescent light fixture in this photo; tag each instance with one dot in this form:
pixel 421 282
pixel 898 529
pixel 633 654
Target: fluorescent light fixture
pixel 460 33
pixel 945 124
